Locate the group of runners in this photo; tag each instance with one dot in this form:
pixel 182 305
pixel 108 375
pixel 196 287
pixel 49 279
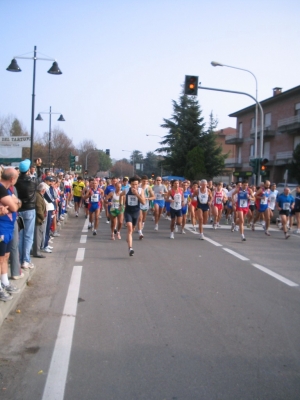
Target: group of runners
pixel 199 202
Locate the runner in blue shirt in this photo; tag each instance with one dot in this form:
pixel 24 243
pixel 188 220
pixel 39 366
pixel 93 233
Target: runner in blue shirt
pixel 285 203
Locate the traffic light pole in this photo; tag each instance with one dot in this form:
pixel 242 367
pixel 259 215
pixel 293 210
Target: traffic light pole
pixel 262 119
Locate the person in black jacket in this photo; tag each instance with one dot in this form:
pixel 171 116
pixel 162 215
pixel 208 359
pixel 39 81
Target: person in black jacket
pixel 26 188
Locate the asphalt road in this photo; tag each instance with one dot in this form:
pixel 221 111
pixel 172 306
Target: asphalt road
pixel 181 319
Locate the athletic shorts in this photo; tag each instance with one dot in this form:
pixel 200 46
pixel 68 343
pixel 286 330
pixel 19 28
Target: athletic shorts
pixel 160 203
pixel 203 207
pixel 284 212
pixel 168 205
pixel 295 210
pixel 252 207
pixel 219 206
pixel 243 210
pixel 133 218
pixel 5 248
pixel 184 210
pixel 93 207
pixel 67 190
pixel 86 205
pixel 175 213
pixel 77 199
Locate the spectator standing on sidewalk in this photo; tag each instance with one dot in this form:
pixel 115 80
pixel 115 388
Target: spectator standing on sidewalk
pixel 26 188
pixel 40 220
pixel 9 202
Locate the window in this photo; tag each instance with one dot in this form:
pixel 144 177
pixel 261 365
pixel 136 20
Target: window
pixel 267 150
pixel 240 129
pixel 267 120
pixel 252 124
pixel 297 109
pixel 239 160
pixel 296 140
pixel 251 150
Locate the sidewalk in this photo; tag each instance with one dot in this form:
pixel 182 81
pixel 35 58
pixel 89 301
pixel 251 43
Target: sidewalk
pixel 7 307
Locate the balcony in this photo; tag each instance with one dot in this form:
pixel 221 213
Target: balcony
pixel 290 125
pixel 269 131
pixel 233 139
pixel 283 157
pixel 233 163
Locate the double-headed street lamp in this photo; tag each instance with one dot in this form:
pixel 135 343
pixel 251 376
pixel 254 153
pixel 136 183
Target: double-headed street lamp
pixel 39 118
pixel 54 70
pixel 132 159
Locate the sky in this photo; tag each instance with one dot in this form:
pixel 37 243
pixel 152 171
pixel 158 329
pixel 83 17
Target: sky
pixel 123 62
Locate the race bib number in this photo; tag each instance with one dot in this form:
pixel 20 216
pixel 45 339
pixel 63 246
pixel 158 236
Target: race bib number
pixel 132 200
pixel 177 202
pixel 243 203
pixel 95 198
pixel 218 200
pixel 203 198
pixel 159 196
pixel 264 200
pixel 286 206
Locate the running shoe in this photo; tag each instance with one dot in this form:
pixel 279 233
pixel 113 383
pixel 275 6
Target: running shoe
pixel 10 288
pixel 267 233
pixel 94 232
pixel 156 227
pixel 243 238
pixel 141 235
pixel 131 252
pixel 183 231
pixel 172 235
pixel 118 235
pixel 4 296
pixel 89 225
pixel 176 228
pixel 287 235
pixel 232 226
pixel 115 231
pixel 201 237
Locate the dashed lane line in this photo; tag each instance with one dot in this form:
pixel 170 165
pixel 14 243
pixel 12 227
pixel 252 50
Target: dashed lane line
pixel 80 254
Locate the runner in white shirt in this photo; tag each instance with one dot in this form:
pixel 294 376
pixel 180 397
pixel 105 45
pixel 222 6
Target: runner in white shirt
pixel 149 195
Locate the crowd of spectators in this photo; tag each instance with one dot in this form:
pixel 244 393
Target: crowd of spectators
pixel 32 206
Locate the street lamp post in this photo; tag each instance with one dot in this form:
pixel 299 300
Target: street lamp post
pixel 39 118
pixel 54 70
pixel 218 64
pixel 132 160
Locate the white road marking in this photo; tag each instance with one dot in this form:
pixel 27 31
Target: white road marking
pixel 236 254
pixel 85 226
pixel 57 374
pixel 212 241
pixel 83 238
pixel 80 254
pixel 275 275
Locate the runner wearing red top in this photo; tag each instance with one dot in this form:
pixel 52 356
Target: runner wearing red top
pixel 219 198
pixel 193 204
pixel 244 195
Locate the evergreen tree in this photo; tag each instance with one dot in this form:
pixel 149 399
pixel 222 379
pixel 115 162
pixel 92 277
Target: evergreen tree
pixel 214 160
pixel 186 128
pixel 294 169
pixel 191 150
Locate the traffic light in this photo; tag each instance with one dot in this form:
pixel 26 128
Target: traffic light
pixel 72 162
pixel 263 166
pixel 254 162
pixel 107 152
pixel 191 85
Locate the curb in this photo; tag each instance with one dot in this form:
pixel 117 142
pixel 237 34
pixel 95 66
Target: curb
pixel 7 307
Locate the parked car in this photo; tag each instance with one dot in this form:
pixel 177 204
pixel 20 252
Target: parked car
pixel 280 187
